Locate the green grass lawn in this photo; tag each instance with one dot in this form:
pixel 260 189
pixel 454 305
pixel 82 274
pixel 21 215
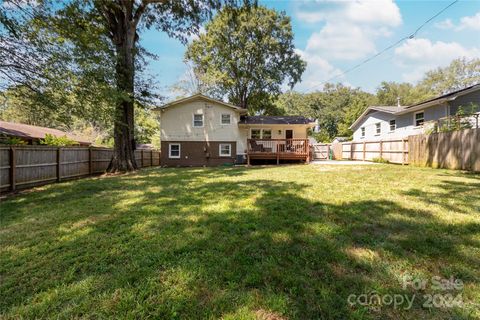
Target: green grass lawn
pixel 287 242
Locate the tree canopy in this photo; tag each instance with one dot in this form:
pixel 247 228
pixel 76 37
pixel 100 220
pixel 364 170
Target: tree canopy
pixel 247 54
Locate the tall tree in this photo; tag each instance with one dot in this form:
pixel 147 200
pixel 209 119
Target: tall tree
pixel 95 34
pixel 459 74
pixel 247 54
pixel 389 92
pixel 124 19
pixel 335 108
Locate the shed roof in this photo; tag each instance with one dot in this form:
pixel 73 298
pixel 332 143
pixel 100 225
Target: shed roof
pixel 275 120
pixel 27 131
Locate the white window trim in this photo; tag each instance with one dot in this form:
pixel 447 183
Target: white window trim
pixel 415 119
pixel 362 132
pixel 378 125
pixel 261 132
pixel 230 119
pixel 390 125
pixel 271 132
pixel 193 120
pixel 229 149
pixel 170 150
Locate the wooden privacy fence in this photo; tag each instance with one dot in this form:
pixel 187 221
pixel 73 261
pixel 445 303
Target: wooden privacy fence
pixel 27 166
pixel 320 151
pixel 450 150
pixel 395 150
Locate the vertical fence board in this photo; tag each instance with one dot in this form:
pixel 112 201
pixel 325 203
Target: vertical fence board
pixel 449 150
pixel 5 168
pixel 27 166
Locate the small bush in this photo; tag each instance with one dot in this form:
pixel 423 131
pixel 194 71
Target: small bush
pixel 14 141
pixel 51 140
pixel 380 160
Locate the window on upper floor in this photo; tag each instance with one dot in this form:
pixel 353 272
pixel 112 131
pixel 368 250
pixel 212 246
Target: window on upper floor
pixel 419 118
pixel 198 120
pixel 226 118
pixel 362 131
pixel 378 128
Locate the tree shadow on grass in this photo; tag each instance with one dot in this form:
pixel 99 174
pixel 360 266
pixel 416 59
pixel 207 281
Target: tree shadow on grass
pixel 219 249
pixel 454 196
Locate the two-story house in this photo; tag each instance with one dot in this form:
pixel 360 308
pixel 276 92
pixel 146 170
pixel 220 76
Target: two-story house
pixel 201 131
pixel 392 122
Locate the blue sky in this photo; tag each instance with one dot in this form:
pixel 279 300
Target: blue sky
pixel 335 35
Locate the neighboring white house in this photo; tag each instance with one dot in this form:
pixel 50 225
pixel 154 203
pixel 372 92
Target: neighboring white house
pixel 388 122
pixel 201 131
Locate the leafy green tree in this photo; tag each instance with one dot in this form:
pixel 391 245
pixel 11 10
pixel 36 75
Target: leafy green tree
pixel 459 74
pixel 335 108
pixel 389 92
pixel 85 36
pixel 247 54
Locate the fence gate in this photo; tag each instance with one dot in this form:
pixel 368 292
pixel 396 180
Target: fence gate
pixel 320 151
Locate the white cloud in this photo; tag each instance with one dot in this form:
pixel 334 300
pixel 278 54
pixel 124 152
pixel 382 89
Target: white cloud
pixel 472 22
pixel 466 23
pixel 421 55
pixel 318 71
pixel 350 27
pixel 445 24
pixel 347 31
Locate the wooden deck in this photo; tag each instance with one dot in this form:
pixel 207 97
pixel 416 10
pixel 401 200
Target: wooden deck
pixel 278 149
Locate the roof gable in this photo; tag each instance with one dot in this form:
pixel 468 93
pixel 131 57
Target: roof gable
pixel 196 97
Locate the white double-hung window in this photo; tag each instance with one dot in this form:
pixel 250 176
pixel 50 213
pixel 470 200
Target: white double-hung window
pixel 378 128
pixel 226 119
pixel 261 133
pixel 174 150
pixel 225 149
pixel 198 120
pixel 393 125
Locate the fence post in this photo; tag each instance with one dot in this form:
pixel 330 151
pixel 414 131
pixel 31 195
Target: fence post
pixel 13 157
pixel 58 164
pixel 381 149
pixel 403 151
pixel 151 158
pixel 90 166
pixel 141 158
pixel 364 144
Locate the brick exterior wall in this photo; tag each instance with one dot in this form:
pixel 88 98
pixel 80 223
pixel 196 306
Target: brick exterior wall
pixel 197 154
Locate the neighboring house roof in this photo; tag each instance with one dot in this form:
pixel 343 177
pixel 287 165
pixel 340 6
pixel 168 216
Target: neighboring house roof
pixel 398 110
pixel 450 96
pixel 27 131
pixel 196 97
pixel 386 109
pixel 275 120
pixel 145 146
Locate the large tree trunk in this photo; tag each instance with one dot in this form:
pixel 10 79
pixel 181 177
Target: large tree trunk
pixel 124 156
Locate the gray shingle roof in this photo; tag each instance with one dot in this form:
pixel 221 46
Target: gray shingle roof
pixel 275 120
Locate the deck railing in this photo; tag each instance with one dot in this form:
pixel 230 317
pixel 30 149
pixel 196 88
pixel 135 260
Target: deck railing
pixel 278 146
